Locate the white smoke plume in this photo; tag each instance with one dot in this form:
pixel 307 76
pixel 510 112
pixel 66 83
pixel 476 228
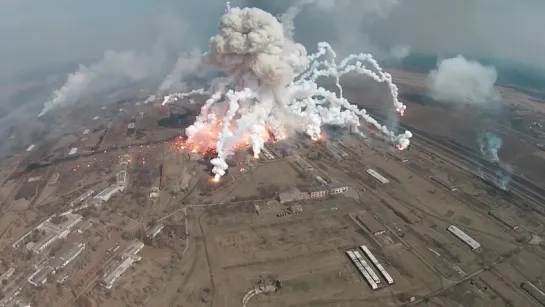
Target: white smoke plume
pixel 459 80
pixel 114 68
pixel 270 86
pixel 186 65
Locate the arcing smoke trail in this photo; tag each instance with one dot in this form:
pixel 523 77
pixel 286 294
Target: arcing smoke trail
pixel 271 85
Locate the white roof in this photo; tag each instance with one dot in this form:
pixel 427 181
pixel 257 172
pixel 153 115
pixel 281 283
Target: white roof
pixel 30 147
pixel 377 176
pixel 464 237
pixel 86 131
pixel 73 151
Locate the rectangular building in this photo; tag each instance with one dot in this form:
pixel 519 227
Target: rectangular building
pixel 31 147
pixel 362 270
pixel 40 276
pixel 337 188
pixel 317 192
pixel 534 292
pixel 292 195
pixel 377 176
pixel 503 219
pixel 155 230
pixel 81 198
pixel 464 237
pixel 72 151
pixel 377 265
pixel 44 243
pixel 374 226
pixel 66 254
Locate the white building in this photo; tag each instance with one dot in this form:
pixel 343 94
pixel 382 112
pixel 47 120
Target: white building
pixel 30 147
pixel 72 151
pixel 39 277
pixel 107 193
pixel 378 176
pixel 464 237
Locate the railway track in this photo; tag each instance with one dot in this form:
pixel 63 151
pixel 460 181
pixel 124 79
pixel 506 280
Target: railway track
pixel 494 174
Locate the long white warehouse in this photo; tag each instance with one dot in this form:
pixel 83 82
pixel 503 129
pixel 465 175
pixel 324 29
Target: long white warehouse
pixel 367 267
pixel 464 237
pixel 362 270
pixel 378 176
pixel 377 265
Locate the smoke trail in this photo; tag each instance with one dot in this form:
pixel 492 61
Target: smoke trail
pixel 271 86
pixel 113 69
pixel 489 145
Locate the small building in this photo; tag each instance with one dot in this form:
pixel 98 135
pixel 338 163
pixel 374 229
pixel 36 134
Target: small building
pixel 81 198
pixel 44 243
pixel 72 151
pixel 131 126
pixel 337 188
pixel 317 192
pixel 292 195
pixel 122 266
pixel 464 237
pixel 372 225
pixel 133 249
pixel 39 277
pixel 107 193
pixel 154 230
pixel 97 117
pixel 378 176
pixel 31 147
pixel 534 292
pixel 7 274
pixel 66 254
pixel 86 131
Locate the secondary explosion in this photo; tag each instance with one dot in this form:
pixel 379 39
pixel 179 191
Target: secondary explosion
pixel 270 89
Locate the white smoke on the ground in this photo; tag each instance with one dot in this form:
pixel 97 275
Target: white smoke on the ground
pixel 113 69
pixel 270 85
pixel 460 80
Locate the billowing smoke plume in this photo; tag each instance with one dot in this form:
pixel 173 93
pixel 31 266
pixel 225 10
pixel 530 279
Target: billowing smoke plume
pixel 186 65
pixel 459 80
pixel 114 69
pixel 489 145
pixel 270 87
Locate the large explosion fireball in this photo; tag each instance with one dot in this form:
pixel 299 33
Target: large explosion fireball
pixel 270 89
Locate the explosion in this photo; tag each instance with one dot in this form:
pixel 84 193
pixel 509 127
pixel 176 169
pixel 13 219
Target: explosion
pixel 270 88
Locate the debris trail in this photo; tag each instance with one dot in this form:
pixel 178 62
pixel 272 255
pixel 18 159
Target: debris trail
pixel 271 88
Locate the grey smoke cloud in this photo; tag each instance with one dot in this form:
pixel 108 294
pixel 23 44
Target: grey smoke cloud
pixel 41 41
pixel 459 80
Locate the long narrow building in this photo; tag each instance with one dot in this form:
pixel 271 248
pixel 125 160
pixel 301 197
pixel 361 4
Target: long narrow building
pixel 362 270
pixel 367 267
pixel 377 265
pixel 464 237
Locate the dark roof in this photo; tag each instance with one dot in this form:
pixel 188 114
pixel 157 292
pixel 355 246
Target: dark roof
pixel 337 185
pixel 322 188
pixel 370 222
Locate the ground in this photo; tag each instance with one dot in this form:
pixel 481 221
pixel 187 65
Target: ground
pixel 223 240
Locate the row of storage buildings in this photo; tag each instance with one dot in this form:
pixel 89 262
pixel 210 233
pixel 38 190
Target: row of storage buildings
pixel 366 270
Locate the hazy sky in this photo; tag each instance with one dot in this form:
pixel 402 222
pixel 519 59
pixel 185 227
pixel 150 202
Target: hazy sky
pixel 42 34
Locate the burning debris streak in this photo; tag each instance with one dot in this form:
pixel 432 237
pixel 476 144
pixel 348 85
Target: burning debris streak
pixel 270 89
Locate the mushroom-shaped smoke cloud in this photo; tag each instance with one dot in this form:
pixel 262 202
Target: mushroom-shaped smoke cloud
pixel 270 87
